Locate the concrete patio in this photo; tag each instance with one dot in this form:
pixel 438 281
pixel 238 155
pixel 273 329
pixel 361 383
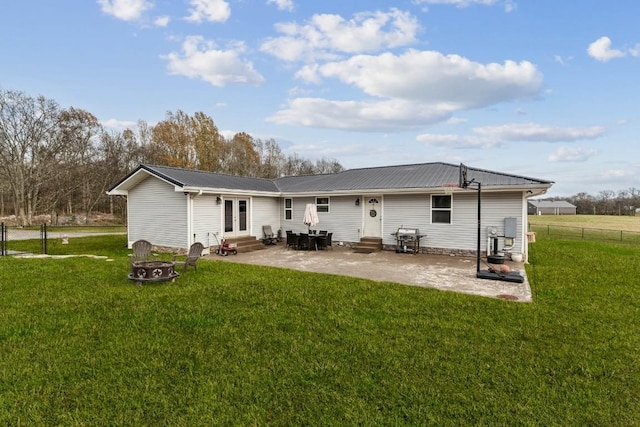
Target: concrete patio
pixel 448 273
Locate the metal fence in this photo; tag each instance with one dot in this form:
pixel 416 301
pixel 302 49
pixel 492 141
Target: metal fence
pixel 596 234
pixel 16 247
pixel 3 239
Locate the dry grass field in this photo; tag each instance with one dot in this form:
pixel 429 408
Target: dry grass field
pixel 602 222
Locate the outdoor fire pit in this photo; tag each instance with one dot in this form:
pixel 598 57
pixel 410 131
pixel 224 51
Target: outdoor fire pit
pixel 152 271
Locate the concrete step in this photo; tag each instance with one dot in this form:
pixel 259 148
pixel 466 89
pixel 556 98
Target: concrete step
pixel 246 244
pixel 367 245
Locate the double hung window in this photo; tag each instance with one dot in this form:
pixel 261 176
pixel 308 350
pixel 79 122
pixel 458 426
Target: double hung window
pixel 441 209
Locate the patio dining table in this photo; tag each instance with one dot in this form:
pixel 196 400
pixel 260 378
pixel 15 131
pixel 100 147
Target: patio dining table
pixel 315 240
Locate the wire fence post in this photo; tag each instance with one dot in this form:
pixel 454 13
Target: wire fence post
pixel 3 240
pixel 43 238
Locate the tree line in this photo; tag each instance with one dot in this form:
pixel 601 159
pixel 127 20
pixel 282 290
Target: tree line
pixel 607 202
pixel 56 161
pixel 61 161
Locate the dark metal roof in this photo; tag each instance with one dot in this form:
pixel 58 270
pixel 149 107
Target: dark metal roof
pixel 201 179
pixel 424 175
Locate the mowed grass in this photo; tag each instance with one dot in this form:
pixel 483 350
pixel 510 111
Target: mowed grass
pixel 235 344
pixel 602 222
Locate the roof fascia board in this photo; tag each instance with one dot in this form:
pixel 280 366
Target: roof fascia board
pixel 228 191
pixel 136 177
pixel 493 189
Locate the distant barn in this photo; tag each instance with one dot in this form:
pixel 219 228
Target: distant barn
pixel 550 207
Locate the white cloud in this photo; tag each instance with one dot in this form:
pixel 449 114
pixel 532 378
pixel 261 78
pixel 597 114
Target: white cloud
pixel 459 3
pixel 456 120
pixel 372 116
pixel 448 82
pixel 492 136
pixel 602 51
pixel 283 4
pixel 326 35
pixel 615 173
pixel 119 124
pixel 162 21
pixel 538 132
pixel 208 10
pixel 456 141
pixel 126 10
pixel 510 6
pixel 572 154
pixel 201 59
pixel 423 87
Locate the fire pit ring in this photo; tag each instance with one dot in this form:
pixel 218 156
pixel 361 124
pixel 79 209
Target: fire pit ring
pixel 152 271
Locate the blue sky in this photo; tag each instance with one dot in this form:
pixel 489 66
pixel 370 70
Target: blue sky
pixel 542 88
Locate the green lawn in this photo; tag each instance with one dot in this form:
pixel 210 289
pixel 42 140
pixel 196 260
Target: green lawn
pixel 603 222
pixel 236 344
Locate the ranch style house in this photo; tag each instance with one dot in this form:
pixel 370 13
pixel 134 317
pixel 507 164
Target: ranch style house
pixel 175 207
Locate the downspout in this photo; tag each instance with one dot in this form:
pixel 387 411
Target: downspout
pixel 191 238
pixel 189 218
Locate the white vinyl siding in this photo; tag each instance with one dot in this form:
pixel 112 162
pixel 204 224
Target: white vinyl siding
pixel 344 220
pixel 413 211
pixel 265 211
pixel 206 219
pixel 498 206
pixel 157 213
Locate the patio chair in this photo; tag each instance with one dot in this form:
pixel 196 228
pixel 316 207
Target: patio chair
pixel 269 236
pixel 142 251
pixel 292 240
pixel 329 235
pixel 304 242
pixel 195 252
pixel 321 241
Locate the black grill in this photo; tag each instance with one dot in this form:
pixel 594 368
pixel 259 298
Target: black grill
pixel 408 240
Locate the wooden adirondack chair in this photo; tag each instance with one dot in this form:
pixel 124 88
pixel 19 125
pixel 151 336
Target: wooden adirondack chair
pixel 141 251
pixel 195 252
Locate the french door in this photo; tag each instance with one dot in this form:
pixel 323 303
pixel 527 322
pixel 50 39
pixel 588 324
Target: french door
pixel 236 217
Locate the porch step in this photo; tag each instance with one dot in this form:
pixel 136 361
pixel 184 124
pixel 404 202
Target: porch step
pixel 245 244
pixel 367 245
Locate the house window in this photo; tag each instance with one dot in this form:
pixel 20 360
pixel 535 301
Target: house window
pixel 322 203
pixel 288 208
pixel 441 209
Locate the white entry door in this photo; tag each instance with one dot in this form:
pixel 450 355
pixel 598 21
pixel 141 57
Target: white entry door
pixel 372 207
pixel 236 217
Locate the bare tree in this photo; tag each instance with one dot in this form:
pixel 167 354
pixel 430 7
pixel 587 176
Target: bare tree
pixel 325 165
pixel 29 147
